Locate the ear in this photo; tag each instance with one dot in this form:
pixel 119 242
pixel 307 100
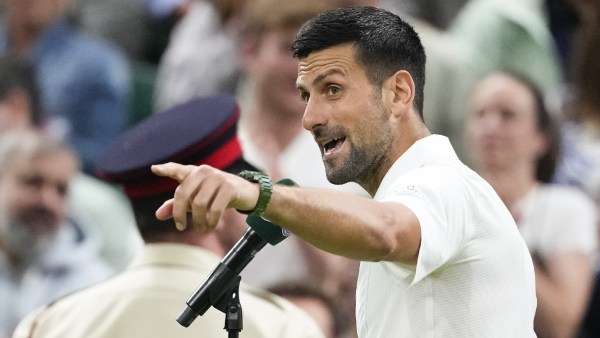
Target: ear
pixel 399 90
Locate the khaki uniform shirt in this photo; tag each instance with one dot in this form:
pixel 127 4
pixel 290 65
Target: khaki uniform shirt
pixel 145 300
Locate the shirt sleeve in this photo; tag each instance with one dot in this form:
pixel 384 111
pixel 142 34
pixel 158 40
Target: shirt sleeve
pixel 439 207
pixel 572 222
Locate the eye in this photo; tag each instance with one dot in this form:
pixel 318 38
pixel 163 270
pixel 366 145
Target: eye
pixel 62 189
pixel 333 90
pixel 507 115
pixel 304 96
pixel 32 181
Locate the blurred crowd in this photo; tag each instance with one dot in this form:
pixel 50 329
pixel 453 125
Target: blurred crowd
pixel 514 85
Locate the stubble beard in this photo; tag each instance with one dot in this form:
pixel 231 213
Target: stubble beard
pixel 361 166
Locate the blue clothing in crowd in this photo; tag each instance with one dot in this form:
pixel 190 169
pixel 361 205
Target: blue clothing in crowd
pixel 85 85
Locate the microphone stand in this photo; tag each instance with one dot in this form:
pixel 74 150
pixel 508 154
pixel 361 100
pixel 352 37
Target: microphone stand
pixel 230 305
pixel 221 288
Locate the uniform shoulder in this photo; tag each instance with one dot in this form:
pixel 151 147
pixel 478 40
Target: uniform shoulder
pixel 283 316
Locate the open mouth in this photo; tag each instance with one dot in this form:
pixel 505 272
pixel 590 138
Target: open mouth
pixel 332 145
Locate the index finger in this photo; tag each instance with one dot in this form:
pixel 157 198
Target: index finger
pixel 172 170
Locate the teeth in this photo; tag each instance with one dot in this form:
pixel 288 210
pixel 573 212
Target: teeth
pixel 331 144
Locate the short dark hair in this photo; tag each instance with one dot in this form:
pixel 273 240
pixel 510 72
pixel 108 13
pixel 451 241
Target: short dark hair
pixel 546 164
pixel 384 43
pixel 152 229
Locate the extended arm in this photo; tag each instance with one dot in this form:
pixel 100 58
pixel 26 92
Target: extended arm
pixel 337 222
pixel 347 225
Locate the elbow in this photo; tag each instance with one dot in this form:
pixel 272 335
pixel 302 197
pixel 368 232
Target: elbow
pixel 397 243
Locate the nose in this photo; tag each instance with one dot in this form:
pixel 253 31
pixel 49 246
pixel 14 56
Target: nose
pixel 53 199
pixel 313 115
pixel 490 121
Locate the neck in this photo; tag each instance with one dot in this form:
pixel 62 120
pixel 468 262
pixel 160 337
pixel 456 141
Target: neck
pixel 208 241
pixel 512 185
pixel 406 139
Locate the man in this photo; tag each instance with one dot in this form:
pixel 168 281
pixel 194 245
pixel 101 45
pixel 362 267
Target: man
pixel 84 81
pixel 88 197
pixel 200 57
pixel 441 255
pixel 146 298
pixel 43 255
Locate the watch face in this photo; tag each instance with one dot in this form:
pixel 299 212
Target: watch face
pixel 253 176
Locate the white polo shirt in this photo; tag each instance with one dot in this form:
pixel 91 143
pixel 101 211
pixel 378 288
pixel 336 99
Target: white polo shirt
pixel 474 275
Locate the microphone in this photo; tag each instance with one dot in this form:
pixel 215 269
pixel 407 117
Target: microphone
pixel 226 275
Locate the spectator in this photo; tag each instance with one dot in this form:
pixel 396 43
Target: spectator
pixel 201 57
pixel 123 22
pixel 43 255
pixel 514 146
pixel 580 166
pixel 444 111
pixel 581 116
pixel 510 35
pixel 145 299
pixel 84 81
pixel 88 198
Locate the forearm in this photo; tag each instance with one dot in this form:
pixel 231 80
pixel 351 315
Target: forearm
pixel 561 302
pixel 341 223
pixel 345 224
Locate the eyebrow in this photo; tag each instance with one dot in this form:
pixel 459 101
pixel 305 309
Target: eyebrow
pixel 320 78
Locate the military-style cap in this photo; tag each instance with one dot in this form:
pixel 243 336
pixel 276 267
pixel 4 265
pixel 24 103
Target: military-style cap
pixel 201 131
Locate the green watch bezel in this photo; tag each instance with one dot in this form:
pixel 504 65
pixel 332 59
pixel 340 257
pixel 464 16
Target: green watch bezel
pixel 266 190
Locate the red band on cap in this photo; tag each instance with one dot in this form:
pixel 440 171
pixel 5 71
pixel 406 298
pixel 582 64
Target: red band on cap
pixel 154 185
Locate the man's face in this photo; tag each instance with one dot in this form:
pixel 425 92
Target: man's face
pixel 33 199
pixel 345 113
pixel 502 128
pixel 273 71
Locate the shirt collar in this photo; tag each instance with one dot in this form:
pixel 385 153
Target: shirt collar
pixel 174 254
pixel 421 152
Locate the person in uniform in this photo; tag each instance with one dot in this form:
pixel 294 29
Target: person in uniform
pixel 145 299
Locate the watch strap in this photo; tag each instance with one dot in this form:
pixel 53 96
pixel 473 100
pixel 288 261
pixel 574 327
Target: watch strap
pixel 264 196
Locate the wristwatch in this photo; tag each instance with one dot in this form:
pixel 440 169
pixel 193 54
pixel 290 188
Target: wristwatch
pixel 264 195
